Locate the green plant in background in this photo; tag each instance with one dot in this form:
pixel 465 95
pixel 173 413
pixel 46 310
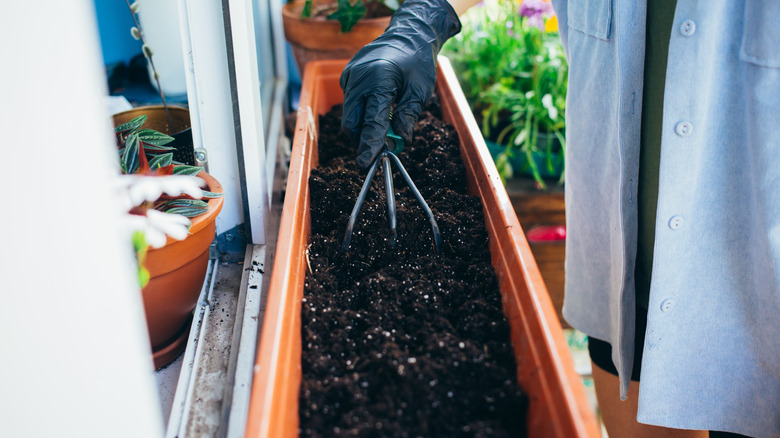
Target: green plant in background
pixel 514 74
pixel 348 12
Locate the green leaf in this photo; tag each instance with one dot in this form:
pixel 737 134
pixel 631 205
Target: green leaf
pixel 187 212
pixel 140 246
pixel 187 170
pixel 161 161
pixel 154 148
pixel 150 136
pixel 139 241
pixel 348 14
pixel 185 207
pixel 130 160
pixel 143 276
pixel 209 195
pixel 191 203
pixel 131 125
pixel 306 11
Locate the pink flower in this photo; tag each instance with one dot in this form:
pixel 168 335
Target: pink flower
pixel 536 11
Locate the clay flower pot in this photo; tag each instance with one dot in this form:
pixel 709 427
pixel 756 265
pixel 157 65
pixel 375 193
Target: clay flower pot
pixel 177 271
pixel 158 120
pixel 319 38
pixel 558 406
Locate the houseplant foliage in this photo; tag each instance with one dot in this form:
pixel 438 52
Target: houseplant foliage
pixel 144 152
pixel 348 13
pixel 513 71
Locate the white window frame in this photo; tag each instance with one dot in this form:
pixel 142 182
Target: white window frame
pixel 223 85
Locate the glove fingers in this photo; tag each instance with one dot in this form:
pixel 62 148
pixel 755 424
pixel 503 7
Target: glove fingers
pixel 404 117
pixel 375 126
pixel 369 88
pixel 352 117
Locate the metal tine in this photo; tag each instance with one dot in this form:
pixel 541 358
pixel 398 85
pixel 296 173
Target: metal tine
pixel 355 210
pixel 386 156
pixel 390 199
pixel 434 226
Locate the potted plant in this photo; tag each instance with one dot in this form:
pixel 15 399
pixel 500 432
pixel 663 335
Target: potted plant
pixel 512 67
pixel 173 271
pixel 557 403
pixel 514 74
pixel 333 29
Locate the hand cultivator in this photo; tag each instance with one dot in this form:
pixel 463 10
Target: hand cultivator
pixel 386 156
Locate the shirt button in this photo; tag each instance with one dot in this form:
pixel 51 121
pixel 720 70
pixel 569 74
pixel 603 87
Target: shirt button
pixel 687 28
pixel 676 222
pixel 684 128
pixel 666 305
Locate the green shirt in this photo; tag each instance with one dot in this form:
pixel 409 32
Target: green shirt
pixel 660 15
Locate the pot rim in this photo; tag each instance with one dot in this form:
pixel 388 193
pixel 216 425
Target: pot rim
pixel 292 11
pixel 147 108
pixel 215 204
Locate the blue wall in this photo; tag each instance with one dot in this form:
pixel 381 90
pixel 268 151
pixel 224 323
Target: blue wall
pixel 114 23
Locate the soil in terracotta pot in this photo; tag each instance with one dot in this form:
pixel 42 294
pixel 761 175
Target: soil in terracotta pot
pixel 374 9
pixel 401 342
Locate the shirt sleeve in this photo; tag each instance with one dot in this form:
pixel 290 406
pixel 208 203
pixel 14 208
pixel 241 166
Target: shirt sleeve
pixel 562 12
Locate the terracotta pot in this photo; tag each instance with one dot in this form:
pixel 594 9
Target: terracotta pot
pixel 158 120
pixel 177 271
pixel 545 369
pixel 319 38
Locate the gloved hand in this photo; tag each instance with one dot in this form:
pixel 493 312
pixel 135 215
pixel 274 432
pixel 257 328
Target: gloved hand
pixel 400 67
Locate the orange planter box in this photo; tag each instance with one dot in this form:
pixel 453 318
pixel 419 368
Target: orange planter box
pixel 545 370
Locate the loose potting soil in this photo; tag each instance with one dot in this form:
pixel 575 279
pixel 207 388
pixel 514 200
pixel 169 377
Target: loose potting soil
pixel 402 342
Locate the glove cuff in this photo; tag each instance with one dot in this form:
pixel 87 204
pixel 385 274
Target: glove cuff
pixel 437 15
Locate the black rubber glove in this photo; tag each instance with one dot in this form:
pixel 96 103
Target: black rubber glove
pixel 398 67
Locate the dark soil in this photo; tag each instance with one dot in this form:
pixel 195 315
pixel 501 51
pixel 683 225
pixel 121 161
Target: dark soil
pixel 401 342
pixel 374 9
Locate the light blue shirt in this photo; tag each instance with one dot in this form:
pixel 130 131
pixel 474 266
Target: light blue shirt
pixel 712 349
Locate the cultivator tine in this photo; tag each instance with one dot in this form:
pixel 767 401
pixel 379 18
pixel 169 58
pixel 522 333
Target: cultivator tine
pixel 386 156
pixel 424 205
pixel 361 198
pixel 390 200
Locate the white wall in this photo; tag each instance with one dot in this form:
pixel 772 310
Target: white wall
pixel 74 353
